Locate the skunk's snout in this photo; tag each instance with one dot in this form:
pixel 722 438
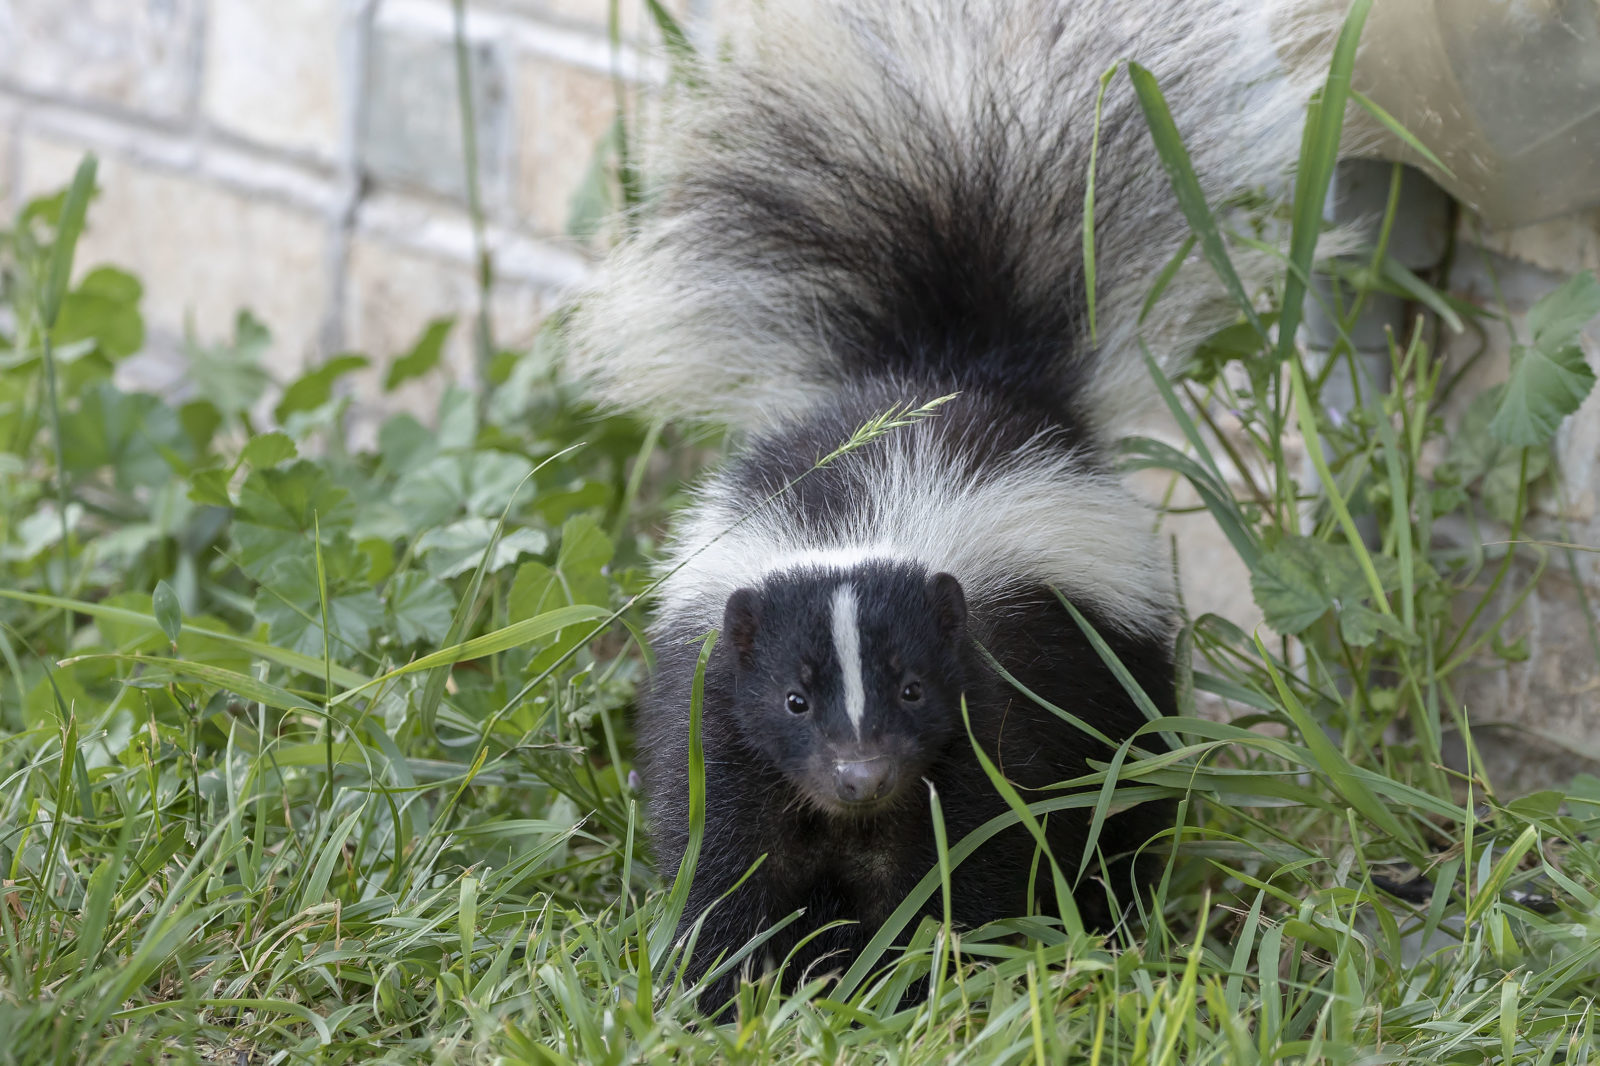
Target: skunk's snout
pixel 865 780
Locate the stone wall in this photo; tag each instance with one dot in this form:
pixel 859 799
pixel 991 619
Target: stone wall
pixel 1538 717
pixel 303 158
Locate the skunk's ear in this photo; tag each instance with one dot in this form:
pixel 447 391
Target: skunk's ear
pixel 949 605
pixel 741 621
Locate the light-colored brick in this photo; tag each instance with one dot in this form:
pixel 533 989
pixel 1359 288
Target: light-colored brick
pixel 562 113
pixel 633 15
pixel 134 54
pixel 412 132
pixel 1547 700
pixel 272 72
pixel 202 252
pixel 392 293
pixel 1563 244
pixel 8 129
pixel 1537 716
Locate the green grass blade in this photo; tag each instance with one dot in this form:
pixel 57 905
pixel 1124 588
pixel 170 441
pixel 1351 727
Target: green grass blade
pixel 672 910
pixel 1319 152
pixel 1088 200
pixel 1191 198
pixel 511 636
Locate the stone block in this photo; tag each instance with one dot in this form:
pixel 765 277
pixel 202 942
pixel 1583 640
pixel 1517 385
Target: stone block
pixel 1534 720
pixel 202 252
pixel 412 132
pixel 391 293
pixel 633 15
pixel 134 54
pixel 8 131
pixel 1563 244
pixel 272 72
pixel 562 114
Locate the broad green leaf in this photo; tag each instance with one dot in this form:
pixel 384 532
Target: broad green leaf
pixel 39 532
pixel 381 552
pixel 200 420
pixel 209 487
pixel 1361 625
pixel 458 420
pixel 1550 377
pixel 585 550
pixel 492 479
pixel 1545 387
pixel 1482 458
pixel 576 579
pixel 434 492
pixel 1290 587
pixel 315 387
pixel 405 443
pixel 1557 319
pixel 168 614
pixel 290 602
pixel 128 432
pixel 423 356
pixel 419 607
pixel 1300 579
pixel 458 547
pixel 442 489
pixel 1502 483
pixel 534 590
pixel 230 374
pixel 268 449
pixel 278 509
pixel 104 309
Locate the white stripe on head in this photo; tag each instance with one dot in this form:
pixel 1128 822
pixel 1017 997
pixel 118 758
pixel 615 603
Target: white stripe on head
pixel 847 646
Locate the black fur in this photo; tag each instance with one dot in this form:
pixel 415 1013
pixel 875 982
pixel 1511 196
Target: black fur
pixel 767 768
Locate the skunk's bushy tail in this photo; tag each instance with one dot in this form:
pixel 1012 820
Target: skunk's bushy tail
pixel 897 188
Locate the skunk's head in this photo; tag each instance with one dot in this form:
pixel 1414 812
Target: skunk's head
pixel 849 681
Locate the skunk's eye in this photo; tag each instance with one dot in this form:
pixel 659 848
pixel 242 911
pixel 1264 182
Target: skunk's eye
pixel 912 692
pixel 797 703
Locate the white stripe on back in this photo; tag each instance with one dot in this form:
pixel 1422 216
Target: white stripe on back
pixel 1037 516
pixel 847 646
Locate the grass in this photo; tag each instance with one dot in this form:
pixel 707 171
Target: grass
pixel 316 757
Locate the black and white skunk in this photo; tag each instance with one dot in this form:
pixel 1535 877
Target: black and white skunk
pixel 869 204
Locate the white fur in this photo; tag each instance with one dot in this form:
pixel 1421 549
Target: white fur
pixel 847 647
pixel 1041 517
pixel 671 329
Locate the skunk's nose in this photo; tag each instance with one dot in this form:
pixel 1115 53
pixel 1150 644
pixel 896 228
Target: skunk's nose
pixel 863 781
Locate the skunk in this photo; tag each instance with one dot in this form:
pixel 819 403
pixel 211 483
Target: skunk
pixel 865 206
